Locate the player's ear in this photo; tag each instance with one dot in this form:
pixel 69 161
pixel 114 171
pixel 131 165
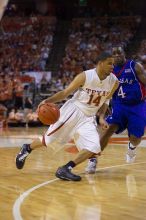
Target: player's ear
pixel 102 63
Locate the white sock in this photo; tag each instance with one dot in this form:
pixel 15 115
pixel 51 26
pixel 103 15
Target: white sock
pixel 131 146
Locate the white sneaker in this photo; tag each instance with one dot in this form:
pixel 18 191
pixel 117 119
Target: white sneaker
pixel 91 166
pixel 131 155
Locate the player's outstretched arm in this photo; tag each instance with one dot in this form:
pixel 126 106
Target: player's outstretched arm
pixel 101 113
pixel 78 81
pixel 140 73
pixel 116 85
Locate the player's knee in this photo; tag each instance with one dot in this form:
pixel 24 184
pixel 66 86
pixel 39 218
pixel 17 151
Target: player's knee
pixel 42 139
pixel 45 141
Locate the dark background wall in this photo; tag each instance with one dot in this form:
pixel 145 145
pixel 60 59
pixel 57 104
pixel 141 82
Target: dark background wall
pixel 69 9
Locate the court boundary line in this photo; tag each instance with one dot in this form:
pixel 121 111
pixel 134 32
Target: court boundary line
pixel 20 199
pixel 17 204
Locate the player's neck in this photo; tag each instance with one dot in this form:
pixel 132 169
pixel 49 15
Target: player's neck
pixel 100 74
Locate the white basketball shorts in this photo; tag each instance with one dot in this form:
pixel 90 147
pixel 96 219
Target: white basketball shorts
pixel 73 123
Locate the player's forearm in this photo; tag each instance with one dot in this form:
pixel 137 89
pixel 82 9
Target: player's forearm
pixel 102 111
pixel 113 89
pixel 140 73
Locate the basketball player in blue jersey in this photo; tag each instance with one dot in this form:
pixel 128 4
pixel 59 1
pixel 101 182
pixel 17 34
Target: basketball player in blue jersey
pixel 128 106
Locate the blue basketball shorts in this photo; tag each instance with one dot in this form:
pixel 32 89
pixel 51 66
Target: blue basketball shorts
pixel 130 117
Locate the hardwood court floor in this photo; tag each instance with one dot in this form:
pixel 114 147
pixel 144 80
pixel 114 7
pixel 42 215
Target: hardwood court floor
pixel 116 192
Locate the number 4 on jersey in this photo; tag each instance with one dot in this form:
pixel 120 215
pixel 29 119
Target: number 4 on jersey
pixel 121 93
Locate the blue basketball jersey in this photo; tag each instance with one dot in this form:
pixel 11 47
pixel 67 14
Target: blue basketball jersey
pixel 130 90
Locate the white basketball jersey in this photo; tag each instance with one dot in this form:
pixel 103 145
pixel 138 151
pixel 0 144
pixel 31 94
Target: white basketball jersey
pixel 91 96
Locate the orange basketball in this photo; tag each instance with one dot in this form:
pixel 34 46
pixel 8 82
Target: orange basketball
pixel 48 113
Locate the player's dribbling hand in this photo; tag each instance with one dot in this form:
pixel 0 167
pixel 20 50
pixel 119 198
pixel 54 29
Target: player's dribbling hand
pixel 41 103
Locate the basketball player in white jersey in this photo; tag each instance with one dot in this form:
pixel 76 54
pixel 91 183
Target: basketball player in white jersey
pixel 77 116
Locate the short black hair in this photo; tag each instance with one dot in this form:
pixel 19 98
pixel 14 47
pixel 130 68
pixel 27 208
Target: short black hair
pixel 104 55
pixel 118 49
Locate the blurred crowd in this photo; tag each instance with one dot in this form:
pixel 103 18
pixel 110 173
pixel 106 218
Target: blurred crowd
pixel 88 37
pixel 26 44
